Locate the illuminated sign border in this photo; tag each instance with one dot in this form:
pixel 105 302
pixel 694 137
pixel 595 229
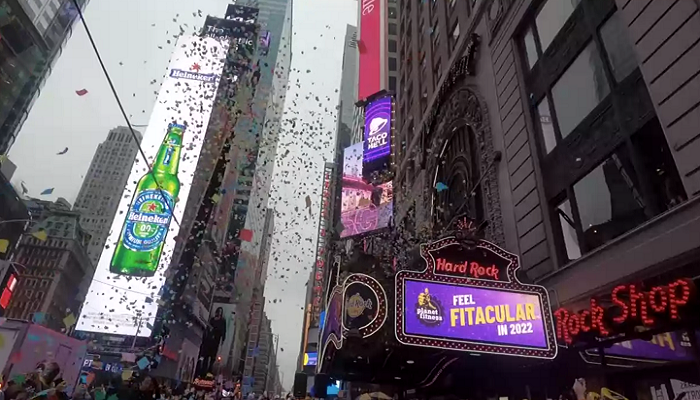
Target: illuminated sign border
pixel 321 255
pixel 380 318
pixel 513 284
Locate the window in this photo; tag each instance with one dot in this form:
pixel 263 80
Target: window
pixel 530 48
pixel 392 64
pixel 452 3
pixel 392 12
pixel 618 46
pixel 617 196
pixel 435 35
pixel 552 18
pixel 586 78
pixel 455 33
pixel 392 83
pixel 392 46
pixel 392 28
pixel 546 126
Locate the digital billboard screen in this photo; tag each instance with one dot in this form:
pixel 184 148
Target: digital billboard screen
pixel 377 130
pixel 370 81
pixel 122 298
pixel 365 207
pixel 451 311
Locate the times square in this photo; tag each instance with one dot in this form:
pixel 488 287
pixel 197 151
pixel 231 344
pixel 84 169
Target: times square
pixel 368 199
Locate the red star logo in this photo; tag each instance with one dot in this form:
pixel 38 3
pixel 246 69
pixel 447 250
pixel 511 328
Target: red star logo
pixel 195 67
pixel 152 207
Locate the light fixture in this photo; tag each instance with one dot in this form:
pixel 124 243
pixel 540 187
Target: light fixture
pixel 398 378
pixel 409 361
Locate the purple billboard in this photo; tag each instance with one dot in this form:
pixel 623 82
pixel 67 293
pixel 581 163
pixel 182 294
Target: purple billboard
pixel 377 130
pixel 469 298
pixel 451 311
pixel 365 207
pixel 669 346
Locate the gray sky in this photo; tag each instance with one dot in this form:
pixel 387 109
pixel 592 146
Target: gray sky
pixel 128 43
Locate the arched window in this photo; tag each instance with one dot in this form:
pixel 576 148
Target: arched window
pixel 456 177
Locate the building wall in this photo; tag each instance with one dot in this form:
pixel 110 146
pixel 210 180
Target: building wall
pixel 256 181
pixel 51 269
pixel 645 101
pixel 103 185
pixel 33 37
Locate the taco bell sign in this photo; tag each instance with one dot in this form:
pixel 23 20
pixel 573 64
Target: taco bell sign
pixel 377 130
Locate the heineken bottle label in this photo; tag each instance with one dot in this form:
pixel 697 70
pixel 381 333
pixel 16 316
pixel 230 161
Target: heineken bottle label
pixel 148 220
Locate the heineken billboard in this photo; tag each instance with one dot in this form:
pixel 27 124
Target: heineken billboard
pixel 123 295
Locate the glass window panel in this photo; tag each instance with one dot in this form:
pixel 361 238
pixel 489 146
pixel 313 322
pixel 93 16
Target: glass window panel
pixel 392 28
pixel 609 202
pixel 392 12
pixel 618 45
pixel 392 46
pixel 568 230
pixel 530 48
pixel 579 90
pixel 546 125
pixel 552 17
pixel 659 166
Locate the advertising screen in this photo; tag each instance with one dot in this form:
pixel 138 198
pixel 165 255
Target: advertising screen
pixel 370 48
pixel 377 130
pixel 365 207
pixel 310 358
pixel 669 346
pixel 451 311
pixel 122 295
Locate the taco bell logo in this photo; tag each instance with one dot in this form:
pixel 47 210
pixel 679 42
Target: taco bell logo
pixel 194 75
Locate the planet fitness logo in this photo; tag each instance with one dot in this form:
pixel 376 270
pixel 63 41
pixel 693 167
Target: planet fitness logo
pixel 429 310
pixel 148 221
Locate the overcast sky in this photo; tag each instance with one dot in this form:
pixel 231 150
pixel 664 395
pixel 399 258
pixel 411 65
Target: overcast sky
pixel 128 34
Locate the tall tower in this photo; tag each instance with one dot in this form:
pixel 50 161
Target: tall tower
pixel 32 33
pixel 103 186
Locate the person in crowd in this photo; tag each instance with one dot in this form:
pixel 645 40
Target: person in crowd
pixel 81 393
pixel 13 391
pixel 214 336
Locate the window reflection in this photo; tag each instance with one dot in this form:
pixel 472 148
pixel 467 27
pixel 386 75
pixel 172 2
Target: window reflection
pixel 618 46
pixel 551 18
pixel 546 125
pixel 530 48
pixel 568 230
pixel 579 90
pixel 609 201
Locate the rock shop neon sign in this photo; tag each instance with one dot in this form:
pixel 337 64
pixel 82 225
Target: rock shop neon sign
pixel 630 304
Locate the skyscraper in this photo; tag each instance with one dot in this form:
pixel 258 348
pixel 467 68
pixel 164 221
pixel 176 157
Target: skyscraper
pixel 241 213
pixel 51 267
pixel 32 33
pixel 103 185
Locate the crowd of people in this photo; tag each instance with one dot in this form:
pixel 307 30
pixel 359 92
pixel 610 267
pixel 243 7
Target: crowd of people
pixel 46 383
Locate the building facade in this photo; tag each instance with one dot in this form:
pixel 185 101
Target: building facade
pixel 591 189
pixel 52 261
pixel 103 185
pixel 32 34
pixel 253 157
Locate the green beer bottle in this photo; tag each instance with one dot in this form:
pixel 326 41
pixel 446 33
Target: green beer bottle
pixel 146 225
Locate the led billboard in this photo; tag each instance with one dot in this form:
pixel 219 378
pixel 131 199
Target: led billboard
pixel 131 270
pixel 377 130
pixel 370 47
pixel 365 207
